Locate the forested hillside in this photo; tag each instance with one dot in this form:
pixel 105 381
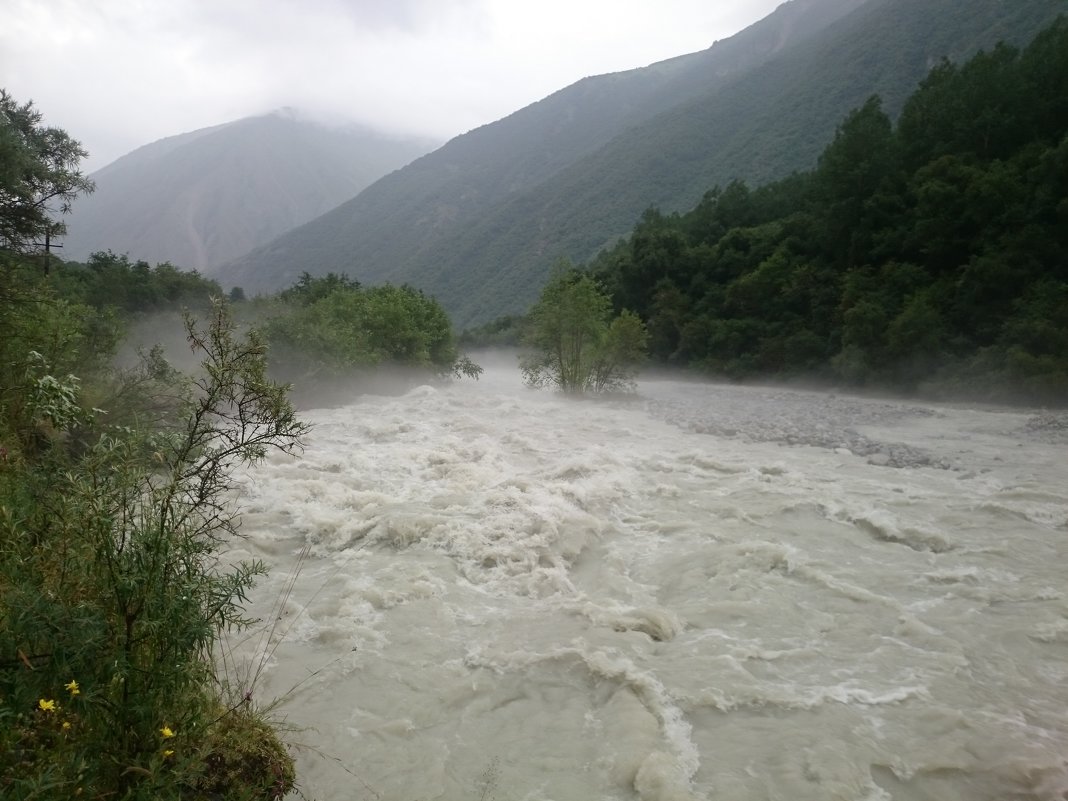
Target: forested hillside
pixel 757 124
pixel 931 253
pixel 396 228
pixel 199 199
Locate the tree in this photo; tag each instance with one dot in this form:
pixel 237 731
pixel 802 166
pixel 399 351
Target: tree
pixel 575 346
pixel 309 288
pixel 39 176
pixel 324 327
pixel 855 166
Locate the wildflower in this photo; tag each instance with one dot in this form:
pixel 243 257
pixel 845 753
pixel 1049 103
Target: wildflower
pixel 46 705
pixel 66 725
pixel 73 687
pixel 166 732
pixel 168 752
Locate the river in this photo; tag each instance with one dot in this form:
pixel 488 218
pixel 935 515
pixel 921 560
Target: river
pixel 480 591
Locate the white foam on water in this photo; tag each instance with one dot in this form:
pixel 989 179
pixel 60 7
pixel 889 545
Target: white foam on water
pixel 509 594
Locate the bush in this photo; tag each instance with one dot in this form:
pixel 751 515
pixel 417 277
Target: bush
pixel 111 594
pixel 573 345
pixel 324 328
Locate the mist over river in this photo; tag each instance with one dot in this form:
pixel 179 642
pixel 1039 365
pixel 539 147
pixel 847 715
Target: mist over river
pixel 704 592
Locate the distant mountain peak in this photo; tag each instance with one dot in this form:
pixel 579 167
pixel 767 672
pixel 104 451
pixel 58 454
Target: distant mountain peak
pixel 202 198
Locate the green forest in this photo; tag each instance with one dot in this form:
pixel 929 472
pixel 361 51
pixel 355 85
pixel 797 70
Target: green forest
pixel 930 254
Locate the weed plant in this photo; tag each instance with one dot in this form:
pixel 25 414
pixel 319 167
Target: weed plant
pixel 113 592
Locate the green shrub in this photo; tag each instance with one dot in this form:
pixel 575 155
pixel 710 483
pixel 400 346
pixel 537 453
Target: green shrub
pixel 112 597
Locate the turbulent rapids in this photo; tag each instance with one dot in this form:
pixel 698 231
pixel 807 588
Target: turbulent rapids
pixel 705 592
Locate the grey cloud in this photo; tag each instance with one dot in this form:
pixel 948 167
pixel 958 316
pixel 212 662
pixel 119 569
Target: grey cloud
pixel 406 15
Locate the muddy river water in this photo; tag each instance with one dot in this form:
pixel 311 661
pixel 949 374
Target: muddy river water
pixel 703 592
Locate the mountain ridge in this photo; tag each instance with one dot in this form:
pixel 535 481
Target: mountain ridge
pixel 401 217
pixel 201 198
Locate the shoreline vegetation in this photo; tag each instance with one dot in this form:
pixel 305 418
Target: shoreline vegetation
pixel 112 596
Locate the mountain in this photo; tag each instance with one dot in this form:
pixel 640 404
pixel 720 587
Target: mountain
pixel 205 197
pixel 478 222
pixel 399 221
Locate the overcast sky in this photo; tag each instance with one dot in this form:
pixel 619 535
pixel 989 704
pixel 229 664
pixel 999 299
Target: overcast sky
pixel 117 74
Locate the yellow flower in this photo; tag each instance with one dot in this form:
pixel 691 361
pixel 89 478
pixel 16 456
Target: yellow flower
pixel 46 705
pixel 73 687
pixel 66 725
pixel 167 752
pixel 166 732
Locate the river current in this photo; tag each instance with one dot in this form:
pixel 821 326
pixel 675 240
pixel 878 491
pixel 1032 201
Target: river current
pixel 480 591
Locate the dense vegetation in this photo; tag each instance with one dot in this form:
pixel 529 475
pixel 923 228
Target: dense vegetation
pixel 113 513
pixel 115 494
pixel 323 329
pixel 933 251
pixel 110 283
